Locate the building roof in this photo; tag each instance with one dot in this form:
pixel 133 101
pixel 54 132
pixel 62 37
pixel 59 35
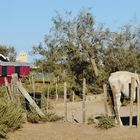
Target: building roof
pixel 14 64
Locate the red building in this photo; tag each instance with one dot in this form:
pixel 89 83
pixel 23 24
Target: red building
pixel 8 68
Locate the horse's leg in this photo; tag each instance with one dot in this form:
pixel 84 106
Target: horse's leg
pixel 117 104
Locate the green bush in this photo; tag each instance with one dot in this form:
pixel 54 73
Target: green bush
pixel 2 91
pixel 44 104
pixel 105 122
pixel 33 117
pixel 3 131
pixel 52 117
pixel 10 117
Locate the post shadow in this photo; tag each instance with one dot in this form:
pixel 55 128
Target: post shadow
pixel 125 120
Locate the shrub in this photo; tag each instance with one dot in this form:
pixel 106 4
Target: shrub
pixel 33 117
pixel 52 117
pixel 10 117
pixel 3 92
pixel 105 122
pixel 44 104
pixel 3 131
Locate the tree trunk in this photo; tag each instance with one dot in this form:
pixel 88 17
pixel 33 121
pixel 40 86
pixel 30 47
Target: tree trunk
pixel 94 66
pixel 88 49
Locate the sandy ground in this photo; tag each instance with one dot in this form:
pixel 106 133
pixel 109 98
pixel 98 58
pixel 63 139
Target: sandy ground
pixel 69 131
pixel 78 131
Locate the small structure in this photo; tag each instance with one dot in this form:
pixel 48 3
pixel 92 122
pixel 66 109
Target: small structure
pixel 8 68
pixel 22 57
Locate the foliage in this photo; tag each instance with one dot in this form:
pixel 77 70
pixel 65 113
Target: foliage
pixel 52 117
pixel 8 52
pixel 44 104
pixel 3 131
pixel 106 122
pixel 10 117
pixel 123 51
pixel 78 47
pixel 32 116
pixel 2 91
pixel 70 46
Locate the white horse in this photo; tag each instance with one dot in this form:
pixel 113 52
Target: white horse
pixel 120 84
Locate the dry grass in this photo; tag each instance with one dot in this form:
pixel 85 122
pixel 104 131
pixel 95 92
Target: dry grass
pixel 10 117
pixel 105 122
pixel 10 114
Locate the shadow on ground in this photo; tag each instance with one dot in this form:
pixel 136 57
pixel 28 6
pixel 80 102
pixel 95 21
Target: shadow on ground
pixel 125 120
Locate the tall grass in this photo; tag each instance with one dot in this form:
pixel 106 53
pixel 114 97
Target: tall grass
pixel 10 114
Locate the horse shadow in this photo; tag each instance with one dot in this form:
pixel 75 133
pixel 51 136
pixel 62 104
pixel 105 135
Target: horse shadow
pixel 125 120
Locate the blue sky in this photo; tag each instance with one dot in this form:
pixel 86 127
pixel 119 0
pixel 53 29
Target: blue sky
pixel 23 23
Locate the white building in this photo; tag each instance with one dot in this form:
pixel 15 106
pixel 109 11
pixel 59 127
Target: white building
pixel 22 57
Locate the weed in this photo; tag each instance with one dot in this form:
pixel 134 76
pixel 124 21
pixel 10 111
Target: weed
pixel 105 122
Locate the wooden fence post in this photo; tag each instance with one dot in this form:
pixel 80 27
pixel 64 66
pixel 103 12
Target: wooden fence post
pixel 65 100
pixel 48 94
pixel 33 87
pixel 105 98
pixel 131 100
pixel 73 96
pixel 56 94
pixel 30 80
pixel 84 99
pixel 56 91
pixel 138 105
pixel 43 78
pixel 8 89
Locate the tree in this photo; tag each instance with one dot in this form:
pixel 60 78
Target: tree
pixel 78 47
pixel 72 37
pixel 123 51
pixel 8 52
pixel 90 38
